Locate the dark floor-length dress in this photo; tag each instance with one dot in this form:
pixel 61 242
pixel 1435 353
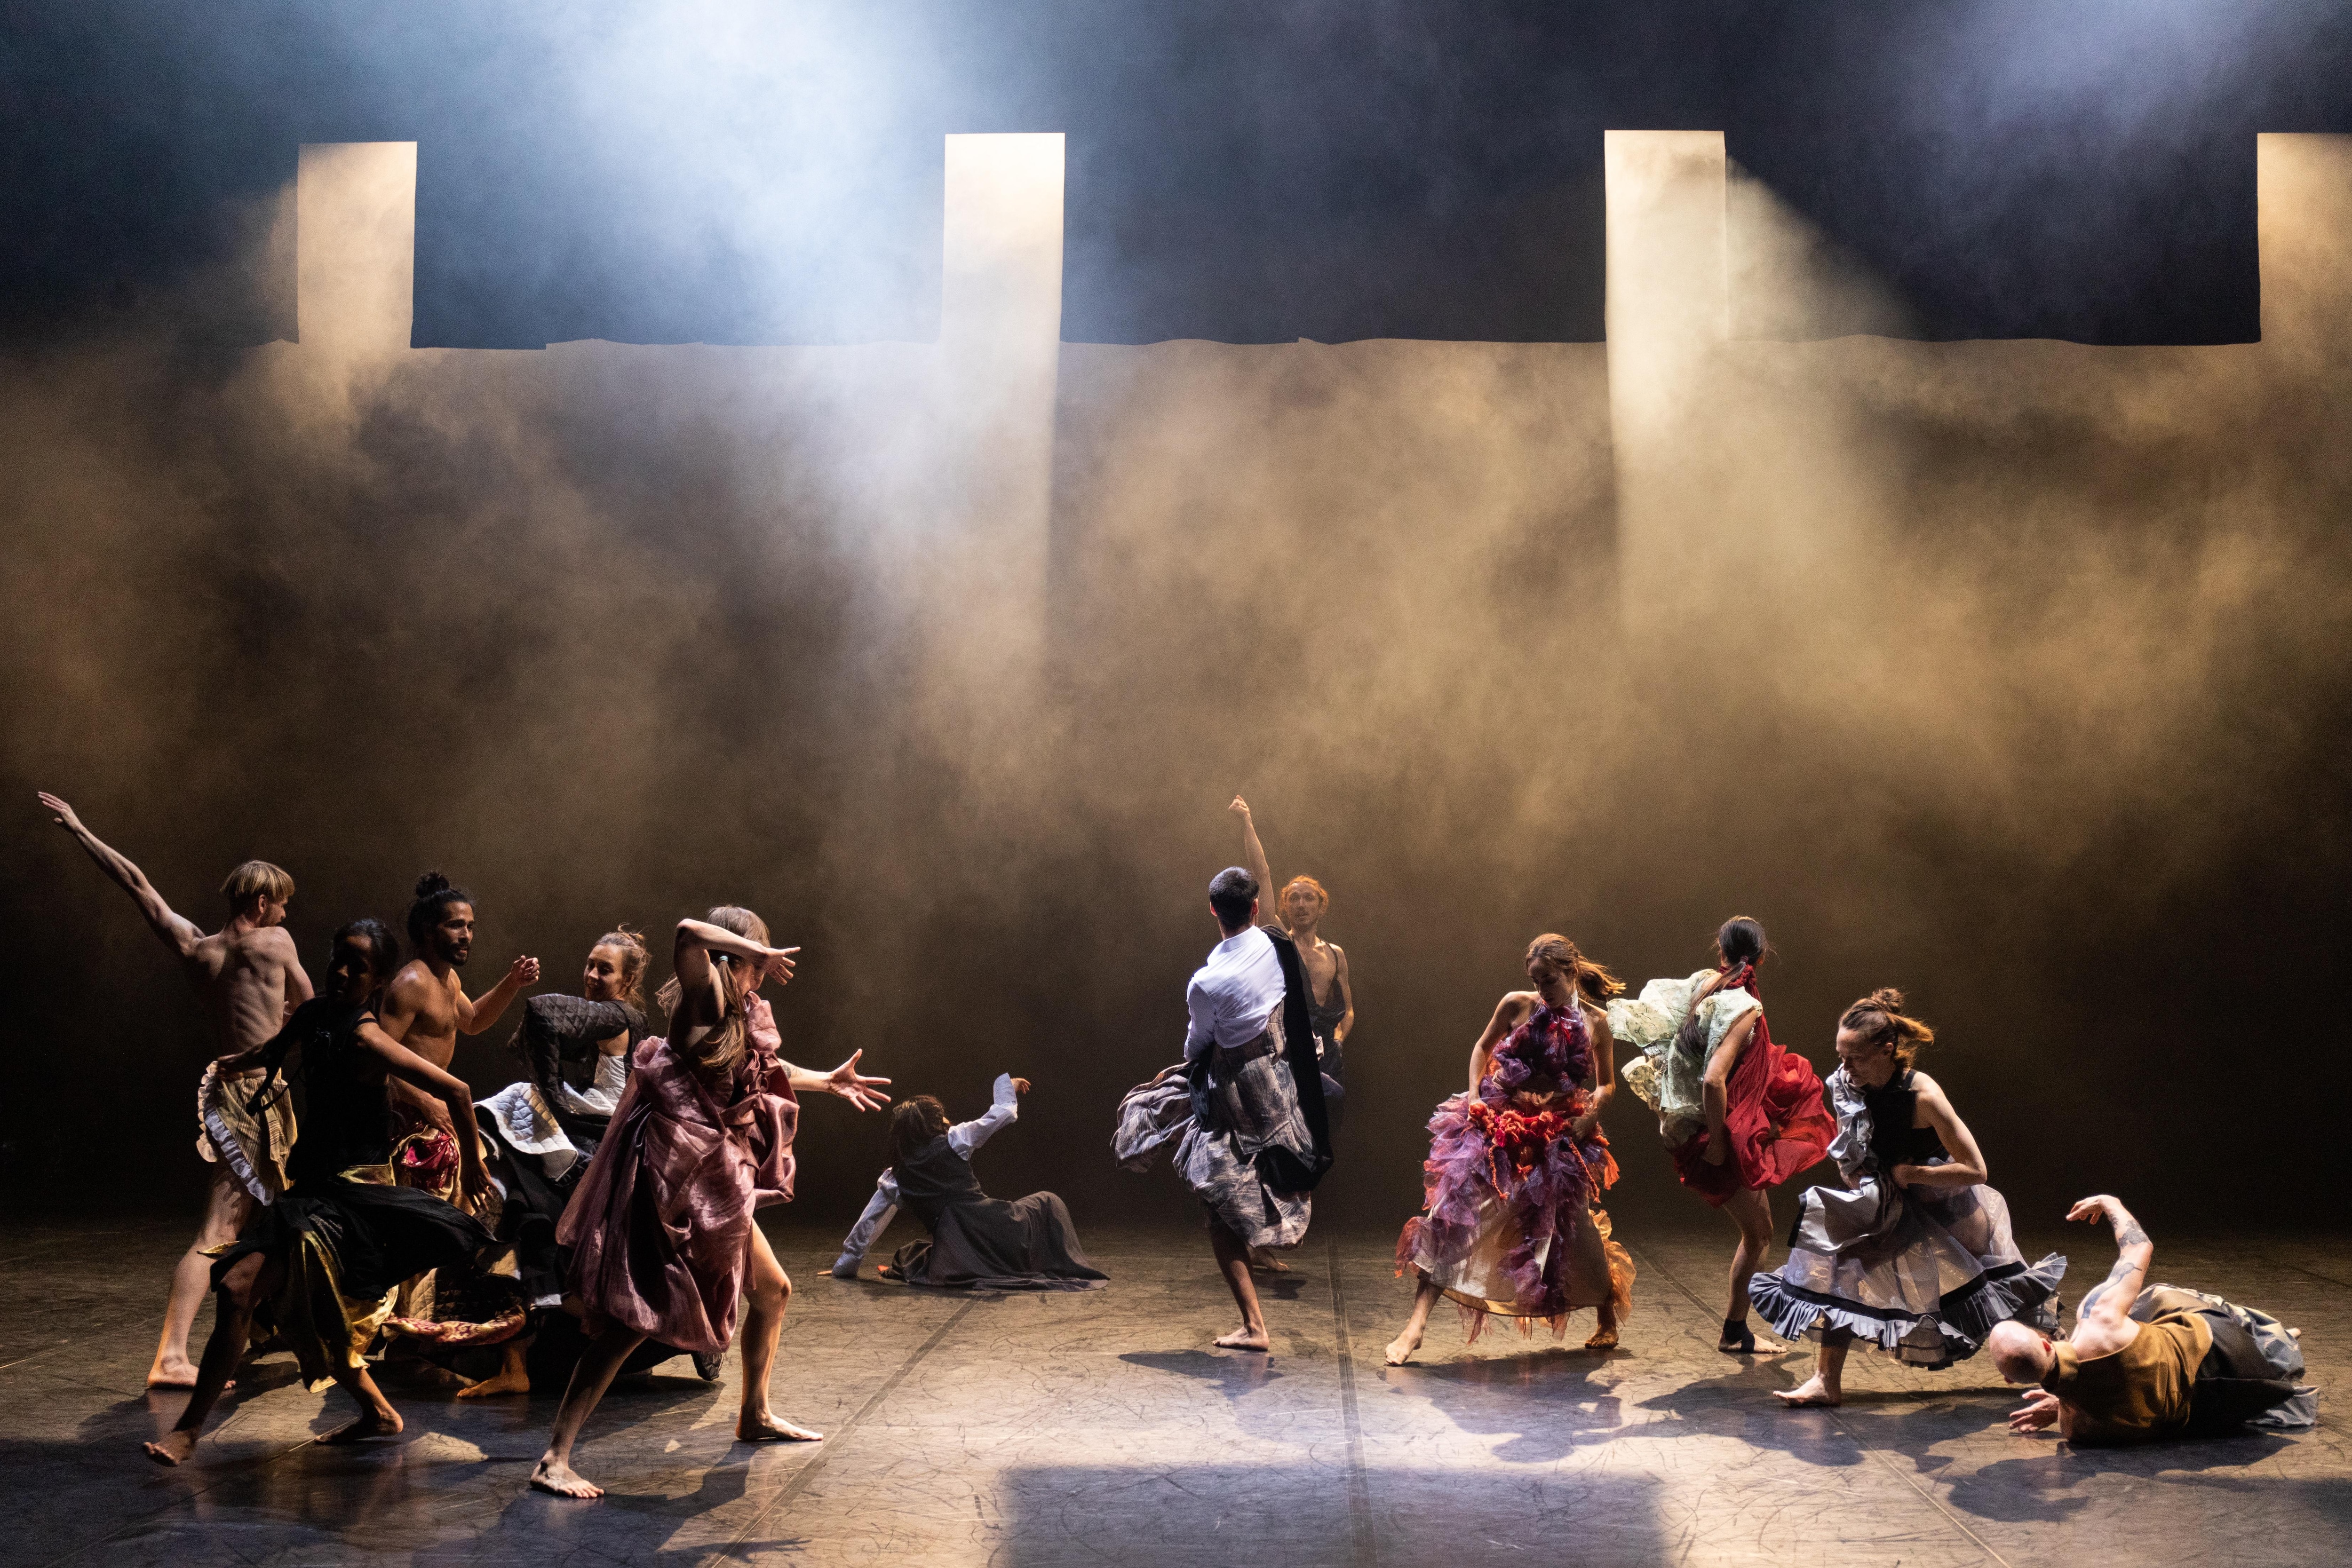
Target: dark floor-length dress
pixel 1028 1244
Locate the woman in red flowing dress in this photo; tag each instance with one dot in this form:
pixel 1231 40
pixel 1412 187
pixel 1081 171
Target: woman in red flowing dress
pixel 1765 1117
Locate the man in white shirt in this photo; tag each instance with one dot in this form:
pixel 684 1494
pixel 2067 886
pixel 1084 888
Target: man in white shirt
pixel 1259 1143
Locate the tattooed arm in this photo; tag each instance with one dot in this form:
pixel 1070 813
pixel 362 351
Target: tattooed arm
pixel 2102 1323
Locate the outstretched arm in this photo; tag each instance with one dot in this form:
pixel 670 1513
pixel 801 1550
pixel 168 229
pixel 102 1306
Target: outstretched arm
pixel 844 1081
pixel 1254 855
pixel 476 1014
pixel 179 933
pixel 429 1080
pixel 2106 1312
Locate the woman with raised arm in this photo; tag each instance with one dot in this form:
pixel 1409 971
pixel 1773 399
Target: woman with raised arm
pixel 320 1265
pixel 1914 1255
pixel 1517 1167
pixel 665 1243
pixel 1740 1115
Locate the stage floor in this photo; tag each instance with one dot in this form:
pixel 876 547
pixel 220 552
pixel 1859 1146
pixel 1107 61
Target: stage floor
pixel 1102 1428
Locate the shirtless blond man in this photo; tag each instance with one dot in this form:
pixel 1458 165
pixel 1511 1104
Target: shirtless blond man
pixel 249 980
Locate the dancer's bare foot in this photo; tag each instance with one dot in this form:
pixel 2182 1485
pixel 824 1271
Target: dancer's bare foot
pixel 772 1428
pixel 1603 1338
pixel 1812 1391
pixel 554 1476
pixel 1245 1338
pixel 384 1423
pixel 1401 1348
pixel 180 1374
pixel 171 1447
pixel 1264 1258
pixel 506 1380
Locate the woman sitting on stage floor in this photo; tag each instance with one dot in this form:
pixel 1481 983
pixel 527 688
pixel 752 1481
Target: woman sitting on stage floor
pixel 1517 1167
pixel 1913 1257
pixel 321 1264
pixel 1740 1115
pixel 1028 1244
pixel 665 1243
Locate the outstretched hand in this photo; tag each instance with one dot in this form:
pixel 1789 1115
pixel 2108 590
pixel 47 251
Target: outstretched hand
pixel 778 965
pixel 523 972
pixel 2039 1411
pixel 60 812
pixel 1020 1086
pixel 859 1091
pixel 2090 1208
pixel 1239 807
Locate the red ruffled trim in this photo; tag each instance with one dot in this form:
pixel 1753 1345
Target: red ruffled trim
pixel 1777 1120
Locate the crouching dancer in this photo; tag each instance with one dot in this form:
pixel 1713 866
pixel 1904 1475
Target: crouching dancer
pixel 322 1263
pixel 2150 1362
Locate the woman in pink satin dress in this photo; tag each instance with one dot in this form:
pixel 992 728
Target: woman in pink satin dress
pixel 664 1242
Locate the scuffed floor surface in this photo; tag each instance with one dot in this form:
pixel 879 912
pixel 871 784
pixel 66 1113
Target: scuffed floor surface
pixel 1102 1428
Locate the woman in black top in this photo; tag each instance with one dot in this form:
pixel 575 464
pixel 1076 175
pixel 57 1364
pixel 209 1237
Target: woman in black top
pixel 1914 1256
pixel 321 1263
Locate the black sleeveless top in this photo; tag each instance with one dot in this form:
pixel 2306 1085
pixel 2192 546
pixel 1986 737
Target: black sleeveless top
pixel 1893 1141
pixel 935 1180
pixel 346 1107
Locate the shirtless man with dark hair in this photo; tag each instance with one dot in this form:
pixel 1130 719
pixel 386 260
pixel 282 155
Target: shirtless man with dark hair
pixel 424 1009
pixel 249 980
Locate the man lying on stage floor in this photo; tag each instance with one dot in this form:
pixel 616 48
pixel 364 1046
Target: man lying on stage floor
pixel 2151 1361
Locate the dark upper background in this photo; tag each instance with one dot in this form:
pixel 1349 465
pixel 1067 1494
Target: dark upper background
pixel 1243 171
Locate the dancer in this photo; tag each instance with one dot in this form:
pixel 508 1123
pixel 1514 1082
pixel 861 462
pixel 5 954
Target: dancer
pixel 1518 1164
pixel 1740 1115
pixel 1028 1244
pixel 1257 1142
pixel 320 1265
pixel 1914 1256
pixel 426 1009
pixel 544 1131
pixel 664 1241
pixel 2151 1361
pixel 249 979
pixel 1331 1000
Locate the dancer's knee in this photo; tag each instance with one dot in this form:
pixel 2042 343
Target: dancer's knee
pixel 240 1285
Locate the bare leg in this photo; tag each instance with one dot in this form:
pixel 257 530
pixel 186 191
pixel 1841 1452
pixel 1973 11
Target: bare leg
pixel 249 1280
pixel 377 1418
pixel 607 1349
pixel 513 1375
pixel 226 1211
pixel 1234 1263
pixel 1604 1336
pixel 771 1290
pixel 1751 1209
pixel 1401 1348
pixel 1824 1387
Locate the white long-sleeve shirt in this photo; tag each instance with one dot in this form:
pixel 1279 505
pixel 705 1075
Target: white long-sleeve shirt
pixel 1233 993
pixel 883 1206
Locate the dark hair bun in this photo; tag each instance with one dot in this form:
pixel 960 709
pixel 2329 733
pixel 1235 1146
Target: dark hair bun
pixel 1741 940
pixel 431 883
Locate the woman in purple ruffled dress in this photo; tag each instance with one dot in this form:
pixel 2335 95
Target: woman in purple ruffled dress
pixel 1517 1167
